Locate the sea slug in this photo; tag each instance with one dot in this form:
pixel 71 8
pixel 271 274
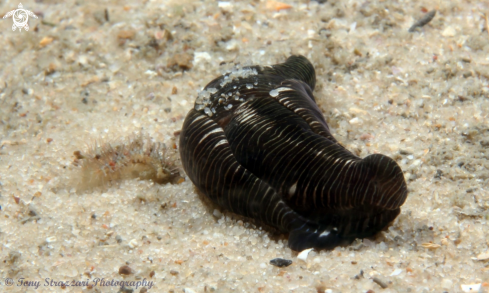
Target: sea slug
pixel 257 144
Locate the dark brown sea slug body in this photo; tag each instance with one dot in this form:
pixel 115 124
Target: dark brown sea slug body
pixel 257 144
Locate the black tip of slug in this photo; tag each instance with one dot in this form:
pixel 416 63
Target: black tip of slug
pixel 343 231
pixel 301 239
pixel 295 67
pixel 390 189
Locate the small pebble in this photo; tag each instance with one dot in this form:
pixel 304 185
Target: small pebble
pixel 277 6
pixel 217 214
pixel 45 41
pixel 471 287
pixel 405 152
pixel 446 283
pixel 303 254
pixel 360 275
pixel 126 34
pixel 449 32
pixel 133 243
pixel 208 112
pixel 173 272
pixel 51 239
pixel 274 93
pixel 380 282
pixel 13 256
pixel 125 270
pixel 280 262
pixel 355 121
pixel 396 272
pixel 126 290
pixel 483 256
pixel 183 60
pixel 423 21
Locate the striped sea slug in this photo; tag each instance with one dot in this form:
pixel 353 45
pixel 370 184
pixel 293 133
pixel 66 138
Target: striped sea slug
pixel 257 144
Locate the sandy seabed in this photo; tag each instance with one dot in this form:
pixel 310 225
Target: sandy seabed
pixel 89 73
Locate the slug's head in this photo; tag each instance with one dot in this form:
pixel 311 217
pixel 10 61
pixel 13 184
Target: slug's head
pixel 295 67
pixel 388 188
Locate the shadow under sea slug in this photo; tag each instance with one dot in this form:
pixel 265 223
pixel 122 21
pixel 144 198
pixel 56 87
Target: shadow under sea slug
pixel 257 144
